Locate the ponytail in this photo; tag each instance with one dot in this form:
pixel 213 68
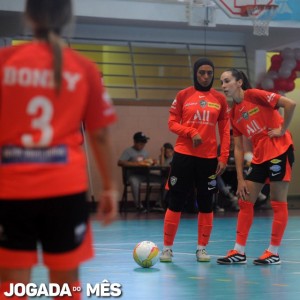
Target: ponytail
pixel 49 17
pixel 54 42
pixel 240 75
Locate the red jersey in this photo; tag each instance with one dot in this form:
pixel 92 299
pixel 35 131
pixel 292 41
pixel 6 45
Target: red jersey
pixel 253 118
pixel 40 138
pixel 197 112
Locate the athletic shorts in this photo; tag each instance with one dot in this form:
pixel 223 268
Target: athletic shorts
pixel 59 225
pixel 275 169
pixel 189 172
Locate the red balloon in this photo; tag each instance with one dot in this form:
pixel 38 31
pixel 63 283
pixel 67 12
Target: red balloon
pixel 293 76
pixel 290 85
pixel 277 58
pixel 276 61
pixel 275 66
pixel 297 68
pixel 280 84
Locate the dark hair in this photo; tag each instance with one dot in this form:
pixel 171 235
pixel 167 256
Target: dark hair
pixel 49 18
pixel 240 75
pixel 168 146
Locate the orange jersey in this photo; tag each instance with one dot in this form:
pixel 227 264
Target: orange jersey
pixel 198 112
pixel 40 137
pixel 253 118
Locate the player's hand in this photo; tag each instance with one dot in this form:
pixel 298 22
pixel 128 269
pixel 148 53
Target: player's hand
pixel 197 140
pixel 275 132
pixel 220 168
pixel 107 208
pixel 242 190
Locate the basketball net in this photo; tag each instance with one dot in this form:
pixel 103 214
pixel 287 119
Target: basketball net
pixel 261 16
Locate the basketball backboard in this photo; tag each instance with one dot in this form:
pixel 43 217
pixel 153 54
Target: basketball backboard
pixel 233 8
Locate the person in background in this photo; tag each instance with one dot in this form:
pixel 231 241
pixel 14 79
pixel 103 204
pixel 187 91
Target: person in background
pixel 166 154
pixel 137 156
pixel 227 182
pixel 194 115
pixel 255 115
pixel 50 90
pixel 165 160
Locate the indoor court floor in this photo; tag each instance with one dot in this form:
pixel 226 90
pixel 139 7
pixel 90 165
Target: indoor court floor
pixel 185 278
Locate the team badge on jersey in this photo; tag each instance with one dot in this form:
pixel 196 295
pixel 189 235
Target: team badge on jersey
pixel 173 180
pixel 202 103
pixel 245 115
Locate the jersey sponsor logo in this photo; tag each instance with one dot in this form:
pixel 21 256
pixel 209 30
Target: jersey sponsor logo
pixel 42 78
pixel 249 171
pixel 80 231
pixel 173 105
pixel 190 104
pixel 275 161
pixel 202 116
pixel 271 97
pixel 214 105
pixel 212 185
pixel 275 174
pixel 275 168
pixel 253 128
pixel 18 155
pixel 253 111
pixel 202 103
pixel 173 180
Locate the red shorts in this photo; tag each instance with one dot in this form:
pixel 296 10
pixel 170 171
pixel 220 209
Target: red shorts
pixel 60 225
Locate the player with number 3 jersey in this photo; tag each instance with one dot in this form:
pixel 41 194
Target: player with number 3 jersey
pixel 47 93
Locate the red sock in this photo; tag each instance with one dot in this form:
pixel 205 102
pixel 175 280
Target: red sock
pixel 280 220
pixel 205 224
pixel 171 223
pixel 244 222
pixel 5 287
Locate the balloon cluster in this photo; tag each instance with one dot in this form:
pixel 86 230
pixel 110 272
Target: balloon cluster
pixel 282 73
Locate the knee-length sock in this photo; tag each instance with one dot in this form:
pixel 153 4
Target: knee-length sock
pixel 280 220
pixel 171 222
pixel 244 222
pixel 205 225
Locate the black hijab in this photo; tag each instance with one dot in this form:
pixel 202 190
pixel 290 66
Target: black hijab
pixel 200 62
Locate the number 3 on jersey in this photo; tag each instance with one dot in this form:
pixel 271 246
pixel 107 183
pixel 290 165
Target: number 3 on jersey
pixel 41 123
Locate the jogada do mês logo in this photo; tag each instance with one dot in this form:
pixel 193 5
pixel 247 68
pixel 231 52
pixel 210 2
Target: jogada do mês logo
pixel 102 289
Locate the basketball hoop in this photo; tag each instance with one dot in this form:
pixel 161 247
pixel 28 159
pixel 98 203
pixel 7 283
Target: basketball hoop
pixel 261 16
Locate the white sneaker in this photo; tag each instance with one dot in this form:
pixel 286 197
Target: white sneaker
pixel 166 255
pixel 202 256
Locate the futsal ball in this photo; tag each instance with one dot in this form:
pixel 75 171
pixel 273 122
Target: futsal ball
pixel 146 254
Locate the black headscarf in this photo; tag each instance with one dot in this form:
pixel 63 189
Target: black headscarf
pixel 200 62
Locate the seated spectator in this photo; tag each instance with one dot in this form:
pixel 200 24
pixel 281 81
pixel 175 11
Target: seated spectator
pixel 136 156
pixel 227 182
pixel 166 156
pixel 165 159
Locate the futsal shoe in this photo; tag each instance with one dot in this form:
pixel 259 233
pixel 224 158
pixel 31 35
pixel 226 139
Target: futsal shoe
pixel 233 257
pixel 202 256
pixel 166 255
pixel 268 258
